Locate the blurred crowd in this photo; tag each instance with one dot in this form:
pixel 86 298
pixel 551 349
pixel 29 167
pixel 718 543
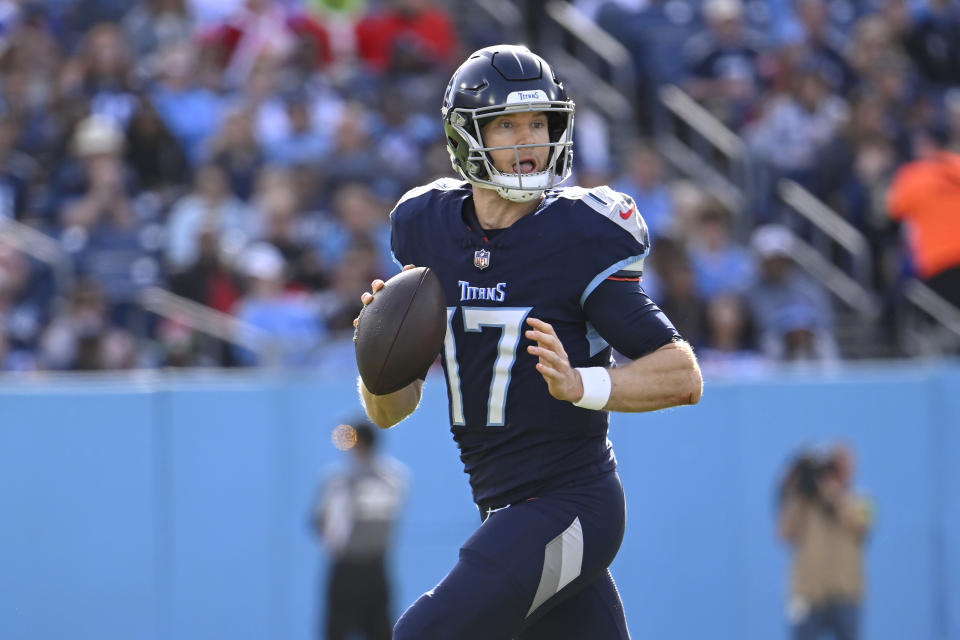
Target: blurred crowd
pixel 858 101
pixel 244 154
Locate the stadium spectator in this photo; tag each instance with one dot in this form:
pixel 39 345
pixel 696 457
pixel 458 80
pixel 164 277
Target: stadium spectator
pixel 273 124
pixel 720 263
pixel 796 127
pixel 190 110
pixel 825 523
pixel 151 25
pixel 211 281
pixel 354 516
pixel 865 181
pixel 405 130
pixel 23 310
pixel 676 287
pixel 290 322
pixel 262 28
pixel 282 224
pixel 303 143
pixel 83 338
pixel 154 154
pixel 101 73
pixel 355 156
pixel 18 172
pixel 871 39
pixel 653 32
pixel 821 45
pixel 729 347
pixel 359 218
pixel 111 241
pixel 210 206
pixel 235 149
pixel 951 105
pixel 925 195
pixel 933 42
pixel 793 313
pixel 725 69
pixel 642 177
pixel 356 268
pixel 407 36
pixel 857 155
pixel 32 61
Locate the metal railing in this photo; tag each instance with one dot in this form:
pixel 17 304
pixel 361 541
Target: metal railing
pixel 211 322
pixel 718 159
pixel 41 247
pixel 933 304
pixel 698 144
pixel 504 13
pixel 833 226
pixel 939 339
pixel 836 281
pixel 595 64
pixel 590 39
pixel 165 304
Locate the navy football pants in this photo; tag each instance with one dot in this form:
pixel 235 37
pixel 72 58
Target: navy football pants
pixel 536 570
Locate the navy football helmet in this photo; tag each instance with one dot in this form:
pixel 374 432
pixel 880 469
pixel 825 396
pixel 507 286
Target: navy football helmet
pixel 497 80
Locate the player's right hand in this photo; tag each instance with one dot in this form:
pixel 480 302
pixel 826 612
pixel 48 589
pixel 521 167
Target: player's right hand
pixel 367 296
pixel 563 381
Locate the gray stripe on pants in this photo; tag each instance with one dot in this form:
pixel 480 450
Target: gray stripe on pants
pixel 562 562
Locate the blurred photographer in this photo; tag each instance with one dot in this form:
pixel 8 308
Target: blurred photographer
pixel 826 524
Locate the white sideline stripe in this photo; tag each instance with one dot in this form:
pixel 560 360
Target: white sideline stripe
pixel 562 563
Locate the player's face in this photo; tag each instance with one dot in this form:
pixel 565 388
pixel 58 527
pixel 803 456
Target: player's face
pixel 524 127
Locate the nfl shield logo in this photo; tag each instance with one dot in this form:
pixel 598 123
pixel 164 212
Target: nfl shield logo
pixel 481 259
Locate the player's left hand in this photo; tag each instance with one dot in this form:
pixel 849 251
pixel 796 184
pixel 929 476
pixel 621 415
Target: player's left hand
pixel 563 381
pixel 367 297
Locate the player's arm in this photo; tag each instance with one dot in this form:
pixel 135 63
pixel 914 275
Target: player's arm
pixel 665 378
pixel 663 371
pixel 668 377
pixel 388 409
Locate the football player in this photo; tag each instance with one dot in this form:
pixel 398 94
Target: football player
pixel 541 283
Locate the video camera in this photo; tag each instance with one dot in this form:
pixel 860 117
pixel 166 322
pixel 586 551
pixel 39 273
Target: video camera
pixel 805 473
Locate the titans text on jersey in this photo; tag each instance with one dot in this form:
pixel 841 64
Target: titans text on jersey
pixel 469 292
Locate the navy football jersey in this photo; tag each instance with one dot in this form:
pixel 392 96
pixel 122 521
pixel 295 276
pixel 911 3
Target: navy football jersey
pixel 514 437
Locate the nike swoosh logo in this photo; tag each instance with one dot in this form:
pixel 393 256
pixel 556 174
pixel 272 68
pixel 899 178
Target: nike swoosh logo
pixel 626 214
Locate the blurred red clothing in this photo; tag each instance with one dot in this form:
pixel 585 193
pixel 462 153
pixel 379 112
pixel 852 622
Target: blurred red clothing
pixel 273 30
pixel 925 194
pixel 429 33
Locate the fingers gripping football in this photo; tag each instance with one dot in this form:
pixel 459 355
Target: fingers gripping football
pixel 367 297
pixel 563 381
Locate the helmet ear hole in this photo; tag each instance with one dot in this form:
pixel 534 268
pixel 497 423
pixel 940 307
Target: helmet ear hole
pixel 556 125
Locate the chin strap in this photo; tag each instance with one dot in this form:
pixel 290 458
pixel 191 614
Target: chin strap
pixel 509 193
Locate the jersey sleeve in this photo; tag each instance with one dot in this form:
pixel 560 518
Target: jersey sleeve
pixel 627 319
pixel 617 242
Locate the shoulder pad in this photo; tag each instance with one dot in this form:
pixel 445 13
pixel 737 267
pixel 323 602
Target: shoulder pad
pixel 441 184
pixel 616 206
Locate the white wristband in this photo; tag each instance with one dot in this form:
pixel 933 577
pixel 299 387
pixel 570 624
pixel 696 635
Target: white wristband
pixel 596 388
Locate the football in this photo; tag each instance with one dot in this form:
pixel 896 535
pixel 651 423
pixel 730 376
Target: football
pixel 401 331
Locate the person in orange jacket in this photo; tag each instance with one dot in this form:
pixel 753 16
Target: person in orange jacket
pixel 925 195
